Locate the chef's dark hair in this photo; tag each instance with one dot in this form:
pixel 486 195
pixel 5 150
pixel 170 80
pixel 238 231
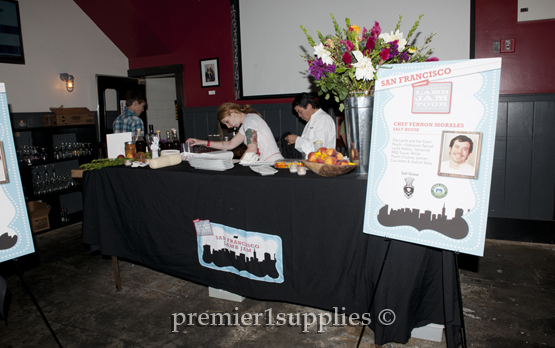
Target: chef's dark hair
pixel 462 139
pixel 303 100
pixel 134 95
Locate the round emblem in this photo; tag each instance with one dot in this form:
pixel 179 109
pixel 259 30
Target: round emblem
pixel 439 191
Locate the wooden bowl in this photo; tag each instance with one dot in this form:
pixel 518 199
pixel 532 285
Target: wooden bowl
pixel 327 169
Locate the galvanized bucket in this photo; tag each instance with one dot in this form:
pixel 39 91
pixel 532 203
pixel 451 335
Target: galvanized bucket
pixel 358 126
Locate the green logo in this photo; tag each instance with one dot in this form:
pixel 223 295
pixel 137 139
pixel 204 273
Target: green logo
pixel 439 191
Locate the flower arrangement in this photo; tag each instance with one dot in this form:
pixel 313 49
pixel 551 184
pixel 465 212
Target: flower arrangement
pixel 348 61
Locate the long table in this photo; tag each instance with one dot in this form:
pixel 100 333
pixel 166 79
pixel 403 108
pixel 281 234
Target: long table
pixel 146 216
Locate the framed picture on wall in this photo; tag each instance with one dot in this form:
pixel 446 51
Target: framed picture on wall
pixel 3 167
pixel 209 72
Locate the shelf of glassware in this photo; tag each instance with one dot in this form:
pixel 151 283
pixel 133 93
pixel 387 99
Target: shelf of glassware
pixel 46 156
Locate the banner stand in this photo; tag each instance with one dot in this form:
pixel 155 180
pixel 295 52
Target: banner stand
pixel 388 241
pixel 20 274
pixel 461 311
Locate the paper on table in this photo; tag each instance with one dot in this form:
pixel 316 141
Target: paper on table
pixel 264 170
pixel 115 143
pixel 249 157
pixel 165 161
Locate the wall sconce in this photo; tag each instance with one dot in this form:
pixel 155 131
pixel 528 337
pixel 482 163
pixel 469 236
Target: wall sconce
pixel 68 79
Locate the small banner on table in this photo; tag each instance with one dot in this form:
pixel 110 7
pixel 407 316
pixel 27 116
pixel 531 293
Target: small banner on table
pixel 431 155
pixel 253 255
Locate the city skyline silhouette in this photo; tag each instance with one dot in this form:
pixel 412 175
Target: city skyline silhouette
pixel 225 257
pixel 455 228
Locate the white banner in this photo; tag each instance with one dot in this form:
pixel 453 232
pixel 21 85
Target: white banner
pixel 431 156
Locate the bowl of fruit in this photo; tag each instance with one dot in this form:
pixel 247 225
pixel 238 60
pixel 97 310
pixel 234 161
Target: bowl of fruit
pixel 328 162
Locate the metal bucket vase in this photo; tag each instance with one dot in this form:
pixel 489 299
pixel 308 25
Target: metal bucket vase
pixel 358 125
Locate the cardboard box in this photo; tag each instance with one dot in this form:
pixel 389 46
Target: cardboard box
pixel 49 120
pixel 69 117
pixel 77 173
pixel 38 216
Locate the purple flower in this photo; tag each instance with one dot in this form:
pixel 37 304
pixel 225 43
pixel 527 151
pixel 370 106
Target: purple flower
pixel 404 57
pixel 432 59
pixel 318 68
pixel 394 48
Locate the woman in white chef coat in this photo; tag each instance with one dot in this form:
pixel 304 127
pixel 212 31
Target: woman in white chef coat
pixel 320 125
pixel 253 132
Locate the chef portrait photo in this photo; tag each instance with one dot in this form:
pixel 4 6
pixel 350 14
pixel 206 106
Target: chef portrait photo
pixel 460 154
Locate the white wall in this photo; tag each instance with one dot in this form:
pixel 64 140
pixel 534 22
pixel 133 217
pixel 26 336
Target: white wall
pixel 59 37
pixel 161 95
pixel 272 41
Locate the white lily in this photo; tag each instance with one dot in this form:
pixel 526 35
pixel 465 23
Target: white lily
pixel 321 52
pixel 395 36
pixel 364 69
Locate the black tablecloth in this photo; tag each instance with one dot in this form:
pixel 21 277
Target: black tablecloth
pixel 146 216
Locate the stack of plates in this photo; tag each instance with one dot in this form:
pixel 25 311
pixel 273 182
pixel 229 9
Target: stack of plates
pixel 210 164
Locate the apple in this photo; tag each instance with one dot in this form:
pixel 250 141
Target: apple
pixel 312 157
pixel 342 163
pixel 331 152
pixel 319 160
pixel 339 156
pixel 329 160
pixel 121 156
pixel 130 155
pixel 322 150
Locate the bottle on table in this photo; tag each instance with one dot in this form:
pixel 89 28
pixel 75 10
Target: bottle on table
pixel 168 145
pixel 148 136
pixel 156 152
pixel 140 143
pixel 175 140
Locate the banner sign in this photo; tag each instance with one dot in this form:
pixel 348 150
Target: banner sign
pixel 252 255
pixel 16 239
pixel 431 156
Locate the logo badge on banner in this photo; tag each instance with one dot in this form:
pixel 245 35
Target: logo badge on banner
pixel 434 124
pixel 252 255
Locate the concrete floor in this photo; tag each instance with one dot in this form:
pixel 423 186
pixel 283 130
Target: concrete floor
pixel 508 297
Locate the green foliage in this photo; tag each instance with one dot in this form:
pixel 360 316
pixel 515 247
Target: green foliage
pixel 102 163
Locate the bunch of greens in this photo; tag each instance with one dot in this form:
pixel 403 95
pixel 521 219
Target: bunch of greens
pixel 101 163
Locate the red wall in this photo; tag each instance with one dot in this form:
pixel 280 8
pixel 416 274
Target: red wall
pixel 530 69
pixel 200 30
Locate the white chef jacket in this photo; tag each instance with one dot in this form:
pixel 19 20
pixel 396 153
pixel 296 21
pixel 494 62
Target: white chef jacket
pixel 464 169
pixel 320 127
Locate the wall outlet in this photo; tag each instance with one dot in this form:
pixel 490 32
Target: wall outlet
pixel 211 92
pixel 507 45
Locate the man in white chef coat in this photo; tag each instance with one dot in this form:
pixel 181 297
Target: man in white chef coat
pixel 320 126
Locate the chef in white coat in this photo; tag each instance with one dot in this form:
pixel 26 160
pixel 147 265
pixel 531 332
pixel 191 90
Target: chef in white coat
pixel 320 126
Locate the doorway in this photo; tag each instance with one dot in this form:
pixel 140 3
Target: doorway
pixel 164 91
